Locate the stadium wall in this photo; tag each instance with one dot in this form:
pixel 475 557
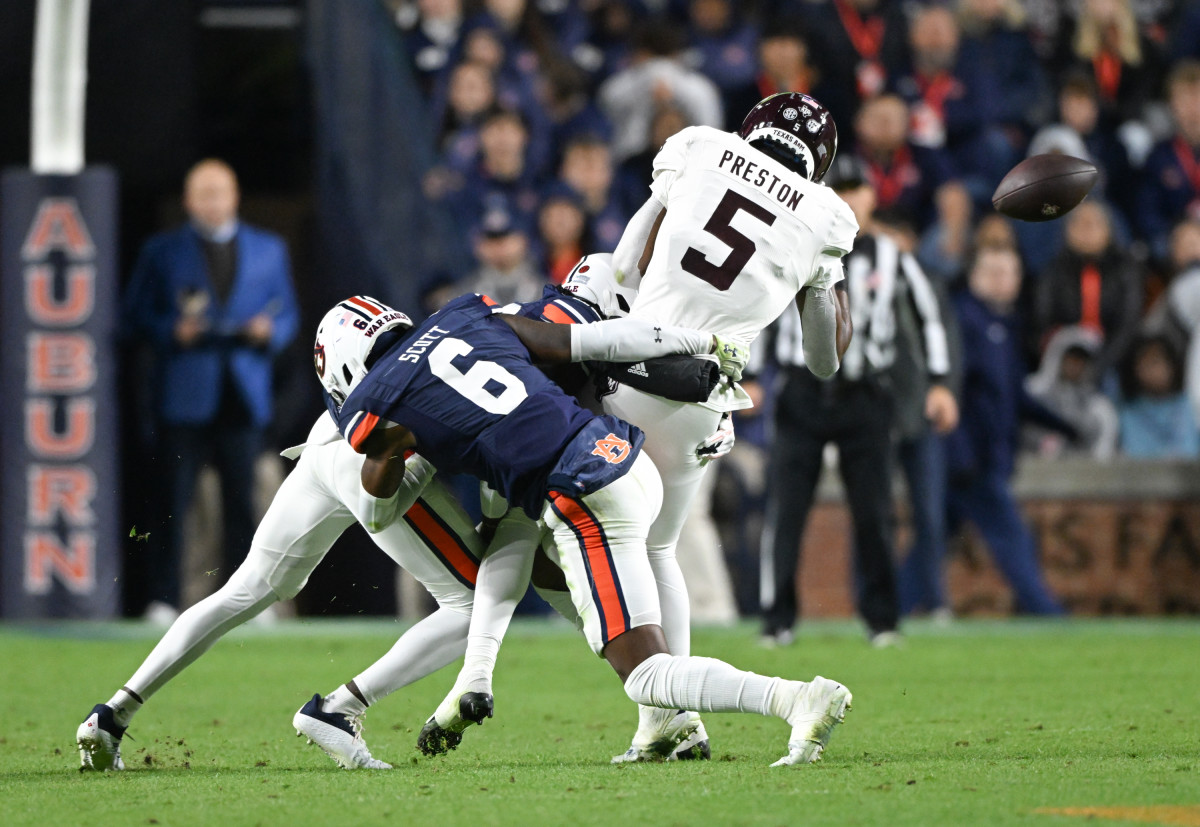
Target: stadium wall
pixel 1120 538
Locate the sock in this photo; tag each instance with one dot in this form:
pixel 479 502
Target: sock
pixel 479 664
pixel 503 578
pixel 672 600
pixel 700 684
pixel 434 642
pixel 561 602
pixel 124 705
pixel 344 701
pixel 197 629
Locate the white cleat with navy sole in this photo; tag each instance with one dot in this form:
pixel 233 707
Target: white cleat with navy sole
pixel 338 734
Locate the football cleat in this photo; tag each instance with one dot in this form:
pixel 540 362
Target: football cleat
pixel 99 740
pixel 338 734
pixel 673 728
pixel 818 707
pixel 693 748
pixel 443 731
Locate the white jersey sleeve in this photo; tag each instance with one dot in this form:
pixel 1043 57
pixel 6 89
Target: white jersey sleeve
pixel 670 161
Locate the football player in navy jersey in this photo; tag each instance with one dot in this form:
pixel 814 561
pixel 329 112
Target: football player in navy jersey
pixel 435 541
pixel 461 389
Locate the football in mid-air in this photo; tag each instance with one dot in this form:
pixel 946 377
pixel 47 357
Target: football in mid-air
pixel 1044 187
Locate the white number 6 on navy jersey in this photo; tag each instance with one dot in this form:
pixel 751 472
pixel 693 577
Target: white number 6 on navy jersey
pixel 473 384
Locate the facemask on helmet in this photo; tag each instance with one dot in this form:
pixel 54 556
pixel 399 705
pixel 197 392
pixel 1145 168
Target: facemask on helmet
pixel 345 337
pixel 794 128
pixel 594 280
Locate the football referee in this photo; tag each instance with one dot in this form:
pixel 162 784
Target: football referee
pixel 854 411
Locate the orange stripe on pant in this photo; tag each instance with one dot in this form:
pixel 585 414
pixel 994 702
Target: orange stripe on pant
pixel 604 577
pixel 556 315
pixel 446 544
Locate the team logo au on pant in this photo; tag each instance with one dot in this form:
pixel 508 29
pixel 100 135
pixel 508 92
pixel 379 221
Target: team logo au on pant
pixel 612 448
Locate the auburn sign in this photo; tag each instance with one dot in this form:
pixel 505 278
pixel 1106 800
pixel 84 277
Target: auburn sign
pixel 59 479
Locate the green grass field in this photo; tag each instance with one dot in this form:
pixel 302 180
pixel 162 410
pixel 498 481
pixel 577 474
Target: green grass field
pixel 982 723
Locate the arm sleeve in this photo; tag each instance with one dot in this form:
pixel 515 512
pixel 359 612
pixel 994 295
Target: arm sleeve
pixel 925 303
pixel 633 242
pixel 632 340
pixel 819 325
pixel 827 272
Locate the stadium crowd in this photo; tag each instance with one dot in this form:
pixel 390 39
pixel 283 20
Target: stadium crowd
pixel 549 113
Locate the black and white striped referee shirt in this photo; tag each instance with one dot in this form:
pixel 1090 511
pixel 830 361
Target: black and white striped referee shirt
pixel 878 277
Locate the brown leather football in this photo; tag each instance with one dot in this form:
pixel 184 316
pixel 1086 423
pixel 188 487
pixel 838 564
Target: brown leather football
pixel 1044 187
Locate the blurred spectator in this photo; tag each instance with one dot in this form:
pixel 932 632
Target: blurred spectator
pixel 904 177
pixel 858 47
pixel 507 271
pixel 1066 382
pixel 562 225
pixel 981 452
pixel 470 95
pixel 1092 282
pixel 1186 35
pixel 854 412
pixel 1104 42
pixel 1080 134
pixel 914 184
pixel 515 79
pixel 571 112
pixel 1156 416
pixel 587 168
pixel 501 175
pixel 655 77
pixel 214 299
pixel 783 60
pixel 1171 182
pixel 948 108
pixel 607 49
pixel 724 47
pixel 1008 79
pixel 635 172
pixel 521 27
pixel 1183 302
pixel 432 29
pixel 1045 21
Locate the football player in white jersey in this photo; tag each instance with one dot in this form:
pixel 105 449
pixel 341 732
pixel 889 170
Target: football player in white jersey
pixel 737 226
pixel 423 528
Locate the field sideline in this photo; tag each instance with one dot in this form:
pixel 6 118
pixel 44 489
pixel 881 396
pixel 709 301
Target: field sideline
pixel 983 723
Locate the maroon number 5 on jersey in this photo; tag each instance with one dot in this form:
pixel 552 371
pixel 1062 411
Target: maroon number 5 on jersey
pixel 741 248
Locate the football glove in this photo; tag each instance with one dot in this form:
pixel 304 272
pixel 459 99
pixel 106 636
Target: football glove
pixel 733 356
pixel 719 442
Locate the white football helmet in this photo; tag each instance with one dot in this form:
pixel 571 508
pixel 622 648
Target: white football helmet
pixel 594 280
pixel 345 337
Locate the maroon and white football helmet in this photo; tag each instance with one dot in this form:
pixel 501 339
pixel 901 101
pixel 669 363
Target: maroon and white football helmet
pixel 794 128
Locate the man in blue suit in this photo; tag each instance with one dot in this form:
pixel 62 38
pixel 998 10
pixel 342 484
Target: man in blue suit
pixel 214 300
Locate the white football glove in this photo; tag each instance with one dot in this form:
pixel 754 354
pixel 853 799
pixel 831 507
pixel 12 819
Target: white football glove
pixel 732 355
pixel 719 442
